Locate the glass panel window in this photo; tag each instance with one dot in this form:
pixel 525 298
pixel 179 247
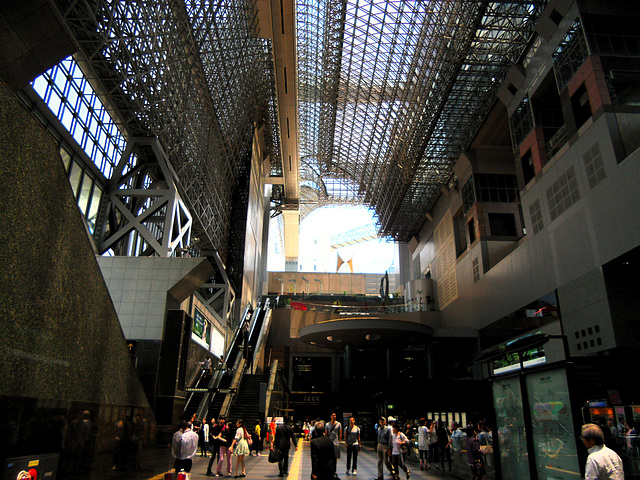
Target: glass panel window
pixel 495 188
pixel 521 122
pixel 570 54
pixel 554 439
pixel 85 193
pixel 66 159
pixel 94 207
pixel 67 92
pixel 507 398
pixel 468 195
pixel 75 176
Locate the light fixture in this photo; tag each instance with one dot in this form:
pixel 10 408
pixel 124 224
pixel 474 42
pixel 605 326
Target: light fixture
pixel 527 343
pixel 372 337
pixel 331 338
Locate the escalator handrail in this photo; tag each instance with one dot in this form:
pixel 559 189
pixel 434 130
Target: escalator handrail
pixel 217 377
pixel 237 336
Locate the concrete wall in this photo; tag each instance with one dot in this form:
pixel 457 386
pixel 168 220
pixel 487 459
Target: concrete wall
pixel 139 287
pixel 603 224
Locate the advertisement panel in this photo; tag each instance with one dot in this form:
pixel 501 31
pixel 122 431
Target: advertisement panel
pixel 553 430
pixel 200 325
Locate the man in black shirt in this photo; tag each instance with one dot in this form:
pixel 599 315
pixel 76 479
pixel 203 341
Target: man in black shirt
pixel 282 441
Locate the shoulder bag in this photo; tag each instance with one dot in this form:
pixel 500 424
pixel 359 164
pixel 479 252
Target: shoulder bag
pixel 274 455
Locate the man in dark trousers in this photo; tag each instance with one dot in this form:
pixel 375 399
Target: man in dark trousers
pixel 323 455
pixel 215 443
pixel 282 442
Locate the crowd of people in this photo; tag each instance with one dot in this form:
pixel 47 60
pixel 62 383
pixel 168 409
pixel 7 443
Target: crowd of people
pixel 435 444
pixel 218 439
pixel 435 441
pixel 222 442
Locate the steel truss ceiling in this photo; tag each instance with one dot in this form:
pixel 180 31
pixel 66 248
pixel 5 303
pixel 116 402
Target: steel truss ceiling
pixel 392 92
pixel 194 75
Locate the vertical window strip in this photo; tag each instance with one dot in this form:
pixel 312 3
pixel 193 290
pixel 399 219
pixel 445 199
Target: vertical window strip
pixel 535 212
pixel 594 166
pixel 476 270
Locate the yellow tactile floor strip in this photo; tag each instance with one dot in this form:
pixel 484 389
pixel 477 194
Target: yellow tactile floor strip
pixel 294 469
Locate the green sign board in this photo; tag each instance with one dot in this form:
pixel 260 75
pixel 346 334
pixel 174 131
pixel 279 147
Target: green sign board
pixel 199 324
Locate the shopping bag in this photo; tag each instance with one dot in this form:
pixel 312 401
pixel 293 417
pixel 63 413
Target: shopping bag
pixel 177 476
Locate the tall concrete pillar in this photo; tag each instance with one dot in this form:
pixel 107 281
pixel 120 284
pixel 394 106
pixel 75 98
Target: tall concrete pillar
pixel 291 239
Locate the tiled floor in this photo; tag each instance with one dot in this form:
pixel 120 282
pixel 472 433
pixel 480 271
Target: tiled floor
pixel 300 467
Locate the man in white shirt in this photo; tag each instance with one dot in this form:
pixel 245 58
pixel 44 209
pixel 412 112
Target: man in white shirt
pixel 333 430
pixel 184 447
pixel 602 462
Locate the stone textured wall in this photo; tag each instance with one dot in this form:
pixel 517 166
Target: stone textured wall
pixel 60 336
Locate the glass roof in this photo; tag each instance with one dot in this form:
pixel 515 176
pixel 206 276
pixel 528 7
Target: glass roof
pixel 391 92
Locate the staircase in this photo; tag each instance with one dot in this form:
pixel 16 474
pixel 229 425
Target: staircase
pixel 247 402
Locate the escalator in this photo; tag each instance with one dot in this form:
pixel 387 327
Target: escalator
pixel 195 397
pixel 212 391
pixel 218 397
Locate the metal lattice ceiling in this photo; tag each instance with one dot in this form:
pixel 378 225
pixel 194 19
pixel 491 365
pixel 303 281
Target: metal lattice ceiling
pixel 195 75
pixel 391 92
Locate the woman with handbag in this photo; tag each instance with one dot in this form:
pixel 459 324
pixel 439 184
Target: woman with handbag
pixel 399 442
pixel 352 440
pixel 241 445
